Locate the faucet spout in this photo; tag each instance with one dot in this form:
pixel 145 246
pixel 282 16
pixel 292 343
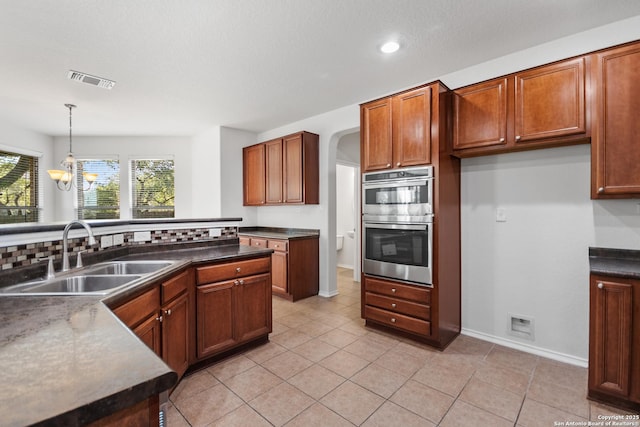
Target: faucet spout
pixel 65 241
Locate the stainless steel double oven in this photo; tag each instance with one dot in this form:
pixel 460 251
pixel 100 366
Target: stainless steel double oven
pixel 397 224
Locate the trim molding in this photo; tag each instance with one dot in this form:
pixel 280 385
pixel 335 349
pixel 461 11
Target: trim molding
pixel 549 354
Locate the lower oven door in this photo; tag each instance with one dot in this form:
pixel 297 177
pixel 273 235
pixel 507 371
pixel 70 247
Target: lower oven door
pixel 398 251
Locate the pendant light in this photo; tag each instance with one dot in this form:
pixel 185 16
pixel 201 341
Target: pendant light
pixel 64 178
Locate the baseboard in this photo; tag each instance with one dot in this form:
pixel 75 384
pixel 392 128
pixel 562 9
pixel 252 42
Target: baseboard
pixel 549 354
pixel 328 294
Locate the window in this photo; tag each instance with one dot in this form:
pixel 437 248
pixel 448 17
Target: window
pixel 18 188
pixel 152 189
pixel 102 199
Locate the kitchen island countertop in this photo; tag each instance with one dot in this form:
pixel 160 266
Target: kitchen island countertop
pixel 68 360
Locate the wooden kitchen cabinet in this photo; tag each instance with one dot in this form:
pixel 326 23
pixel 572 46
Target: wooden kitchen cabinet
pixel 253 170
pixel 396 131
pixel 295 272
pixel 614 340
pixel 233 304
pixel 615 151
pixel 538 108
pixel 161 318
pixel 282 171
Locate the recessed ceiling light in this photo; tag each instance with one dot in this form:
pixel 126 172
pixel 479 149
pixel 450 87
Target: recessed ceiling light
pixel 390 47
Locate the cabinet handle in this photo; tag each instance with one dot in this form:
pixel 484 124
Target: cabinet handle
pixel 167 312
pixel 275 246
pixel 241 282
pixel 398 164
pixel 235 282
pixel 393 305
pixel 159 318
pixel 518 137
pixel 601 190
pixel 388 165
pixel 393 290
pixel 600 285
pixel 393 320
pixel 238 269
pixel 501 140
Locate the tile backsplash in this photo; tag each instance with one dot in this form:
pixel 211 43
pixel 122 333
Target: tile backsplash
pixel 27 254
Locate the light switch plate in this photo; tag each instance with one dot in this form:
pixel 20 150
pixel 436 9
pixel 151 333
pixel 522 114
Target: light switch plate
pixel 501 215
pixel 106 241
pixel 141 236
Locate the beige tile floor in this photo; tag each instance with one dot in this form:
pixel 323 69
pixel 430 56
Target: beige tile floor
pixel 322 367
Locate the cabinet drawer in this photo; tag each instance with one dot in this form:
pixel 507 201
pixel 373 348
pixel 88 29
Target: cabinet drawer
pixel 175 286
pixel 278 245
pixel 139 308
pixel 418 294
pixel 245 241
pixel 258 243
pixel 396 305
pixel 399 321
pixel 231 270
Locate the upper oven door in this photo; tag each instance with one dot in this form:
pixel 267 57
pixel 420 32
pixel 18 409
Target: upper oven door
pixel 407 198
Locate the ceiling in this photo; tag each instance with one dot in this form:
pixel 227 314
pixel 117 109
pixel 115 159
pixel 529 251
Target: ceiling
pixel 183 66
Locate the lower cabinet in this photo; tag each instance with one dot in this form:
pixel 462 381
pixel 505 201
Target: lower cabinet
pixel 233 304
pixel 397 305
pixel 614 340
pixel 295 272
pixel 160 317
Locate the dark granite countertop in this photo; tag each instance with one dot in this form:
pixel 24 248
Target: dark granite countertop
pixel 68 360
pixel 279 233
pixel 615 262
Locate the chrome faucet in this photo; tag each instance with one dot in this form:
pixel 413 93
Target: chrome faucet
pixel 65 241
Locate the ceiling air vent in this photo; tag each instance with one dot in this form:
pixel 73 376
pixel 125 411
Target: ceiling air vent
pixel 89 79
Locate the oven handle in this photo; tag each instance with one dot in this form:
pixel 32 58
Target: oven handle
pixel 416 227
pixel 395 184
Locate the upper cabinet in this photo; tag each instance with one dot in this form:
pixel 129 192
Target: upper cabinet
pixel 396 131
pixel 541 107
pixel 282 171
pixel 615 154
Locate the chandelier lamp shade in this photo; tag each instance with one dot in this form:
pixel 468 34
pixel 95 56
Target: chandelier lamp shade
pixel 64 178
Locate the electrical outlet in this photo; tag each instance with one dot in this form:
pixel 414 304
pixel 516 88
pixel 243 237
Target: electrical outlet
pixel 106 241
pixel 118 239
pixel 215 232
pixel 141 236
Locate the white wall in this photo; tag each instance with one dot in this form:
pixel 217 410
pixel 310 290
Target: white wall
pixel 345 213
pixel 127 147
pixel 19 140
pixel 205 198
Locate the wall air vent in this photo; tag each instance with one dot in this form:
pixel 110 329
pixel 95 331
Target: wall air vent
pixel 89 79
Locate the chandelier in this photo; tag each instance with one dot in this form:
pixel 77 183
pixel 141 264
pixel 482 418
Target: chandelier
pixel 64 177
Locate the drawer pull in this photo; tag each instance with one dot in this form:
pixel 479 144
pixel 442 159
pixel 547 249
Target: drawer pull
pixel 275 246
pixel 393 320
pixel 241 282
pixel 393 290
pixel 238 269
pixel 393 305
pixel 600 285
pixel 167 312
pixel 159 318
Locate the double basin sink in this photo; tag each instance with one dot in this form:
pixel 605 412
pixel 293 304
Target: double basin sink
pixel 99 279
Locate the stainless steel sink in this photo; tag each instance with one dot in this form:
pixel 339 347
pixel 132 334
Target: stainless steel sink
pixel 128 267
pixel 80 284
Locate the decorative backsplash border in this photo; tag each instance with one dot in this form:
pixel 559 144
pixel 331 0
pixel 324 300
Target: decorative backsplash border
pixel 31 253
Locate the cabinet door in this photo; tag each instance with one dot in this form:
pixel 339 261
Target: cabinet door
pixel 149 333
pixel 480 115
pixel 610 336
pixel 253 307
pixel 279 271
pixel 253 163
pixel 175 334
pixel 616 129
pixel 274 182
pixel 550 101
pixel 214 315
pixel 377 152
pixel 412 128
pixel 293 172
